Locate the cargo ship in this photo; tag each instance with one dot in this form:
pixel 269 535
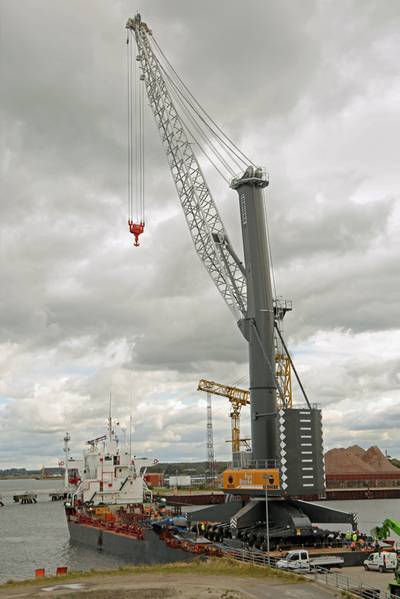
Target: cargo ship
pixel 110 507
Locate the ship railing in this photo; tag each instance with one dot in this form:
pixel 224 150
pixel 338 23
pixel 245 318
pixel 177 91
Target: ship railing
pixel 263 464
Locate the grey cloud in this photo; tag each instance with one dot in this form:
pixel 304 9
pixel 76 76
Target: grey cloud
pixel 83 310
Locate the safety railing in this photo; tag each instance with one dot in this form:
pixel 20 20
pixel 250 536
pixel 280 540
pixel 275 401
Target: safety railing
pixel 322 575
pixel 345 583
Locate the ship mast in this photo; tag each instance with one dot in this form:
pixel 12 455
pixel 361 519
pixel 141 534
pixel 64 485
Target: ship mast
pixel 67 439
pixel 110 420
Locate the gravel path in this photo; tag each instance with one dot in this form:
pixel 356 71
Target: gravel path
pixel 168 586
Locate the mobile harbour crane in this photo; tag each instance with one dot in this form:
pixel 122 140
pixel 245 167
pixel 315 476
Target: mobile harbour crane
pixel 287 452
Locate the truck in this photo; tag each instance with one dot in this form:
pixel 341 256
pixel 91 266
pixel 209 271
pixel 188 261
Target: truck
pixel 382 562
pixel 300 560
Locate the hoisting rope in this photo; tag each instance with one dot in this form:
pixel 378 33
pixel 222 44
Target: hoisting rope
pixel 135 83
pixel 206 119
pixel 202 131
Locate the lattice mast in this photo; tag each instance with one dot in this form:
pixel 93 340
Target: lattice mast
pixel 210 443
pixel 67 439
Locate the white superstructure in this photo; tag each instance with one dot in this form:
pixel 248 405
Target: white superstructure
pixel 109 474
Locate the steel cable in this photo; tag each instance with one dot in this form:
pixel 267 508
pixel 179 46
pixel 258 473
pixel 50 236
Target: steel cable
pixel 179 96
pixel 129 107
pixel 190 133
pixel 236 151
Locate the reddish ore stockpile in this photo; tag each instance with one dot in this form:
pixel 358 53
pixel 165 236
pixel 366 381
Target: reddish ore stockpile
pixel 356 460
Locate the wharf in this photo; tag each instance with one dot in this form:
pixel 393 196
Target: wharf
pixel 351 493
pixel 363 493
pixel 24 498
pixel 58 495
pixel 190 498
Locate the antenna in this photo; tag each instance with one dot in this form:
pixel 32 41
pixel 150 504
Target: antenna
pixel 110 419
pixel 130 428
pixel 130 436
pixel 67 439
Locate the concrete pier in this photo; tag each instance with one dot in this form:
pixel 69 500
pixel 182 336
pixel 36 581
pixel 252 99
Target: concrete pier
pixel 58 495
pixel 24 498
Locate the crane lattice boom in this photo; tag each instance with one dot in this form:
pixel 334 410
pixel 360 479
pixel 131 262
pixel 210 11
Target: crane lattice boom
pixel 204 222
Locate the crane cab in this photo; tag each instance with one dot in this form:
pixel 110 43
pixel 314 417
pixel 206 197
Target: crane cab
pixel 252 481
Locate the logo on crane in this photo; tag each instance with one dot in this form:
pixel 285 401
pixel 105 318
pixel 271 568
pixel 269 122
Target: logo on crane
pixel 243 210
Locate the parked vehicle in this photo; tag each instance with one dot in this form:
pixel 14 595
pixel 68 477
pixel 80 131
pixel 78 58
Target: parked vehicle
pixel 382 562
pixel 394 587
pixel 301 560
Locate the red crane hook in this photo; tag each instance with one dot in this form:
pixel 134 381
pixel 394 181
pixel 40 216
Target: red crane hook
pixel 136 229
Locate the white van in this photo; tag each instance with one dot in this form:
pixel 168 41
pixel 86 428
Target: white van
pixel 382 562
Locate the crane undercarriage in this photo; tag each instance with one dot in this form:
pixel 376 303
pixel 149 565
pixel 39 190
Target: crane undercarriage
pixel 292 523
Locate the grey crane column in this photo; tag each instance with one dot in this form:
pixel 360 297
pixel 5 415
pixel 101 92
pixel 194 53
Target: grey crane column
pixel 258 326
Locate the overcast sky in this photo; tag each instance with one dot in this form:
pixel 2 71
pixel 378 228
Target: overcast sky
pixel 311 90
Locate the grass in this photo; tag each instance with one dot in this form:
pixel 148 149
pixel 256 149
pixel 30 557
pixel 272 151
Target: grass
pixel 210 567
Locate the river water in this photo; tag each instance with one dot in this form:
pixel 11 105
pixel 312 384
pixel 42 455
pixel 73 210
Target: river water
pixel 36 535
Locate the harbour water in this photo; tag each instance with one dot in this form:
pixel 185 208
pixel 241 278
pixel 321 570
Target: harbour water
pixel 36 535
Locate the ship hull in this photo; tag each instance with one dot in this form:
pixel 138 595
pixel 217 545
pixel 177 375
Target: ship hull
pixel 150 550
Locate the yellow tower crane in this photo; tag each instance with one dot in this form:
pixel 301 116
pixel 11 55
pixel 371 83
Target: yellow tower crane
pixel 238 398
pixel 283 374
pixel 241 397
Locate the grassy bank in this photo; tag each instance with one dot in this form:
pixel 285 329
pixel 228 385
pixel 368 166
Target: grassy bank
pixel 210 567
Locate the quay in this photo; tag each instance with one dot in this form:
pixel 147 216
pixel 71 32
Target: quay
pixel 58 495
pixel 24 498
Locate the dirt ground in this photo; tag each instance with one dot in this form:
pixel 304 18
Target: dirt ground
pixel 167 586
